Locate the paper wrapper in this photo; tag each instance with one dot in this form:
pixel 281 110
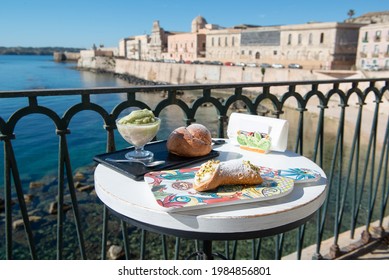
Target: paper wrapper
pixel 276 129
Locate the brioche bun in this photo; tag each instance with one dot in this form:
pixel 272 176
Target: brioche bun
pixel 192 141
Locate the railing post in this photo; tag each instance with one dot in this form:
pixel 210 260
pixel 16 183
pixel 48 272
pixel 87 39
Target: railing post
pixel 10 166
pixel 64 162
pixel 222 121
pixel 110 147
pixel 373 181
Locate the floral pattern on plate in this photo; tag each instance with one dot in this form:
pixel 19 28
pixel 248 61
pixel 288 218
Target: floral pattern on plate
pixel 173 189
pixel 299 175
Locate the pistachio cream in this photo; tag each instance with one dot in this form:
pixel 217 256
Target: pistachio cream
pixel 139 127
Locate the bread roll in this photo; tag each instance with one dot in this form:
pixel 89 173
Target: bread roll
pixel 192 141
pixel 214 173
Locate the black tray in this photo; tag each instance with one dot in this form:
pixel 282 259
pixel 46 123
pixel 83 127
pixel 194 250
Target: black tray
pixel 136 171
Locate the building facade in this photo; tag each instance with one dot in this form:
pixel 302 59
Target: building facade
pixel 326 46
pixel 373 47
pixel 158 42
pixel 189 46
pixel 186 46
pixel 313 45
pixel 261 45
pixel 223 45
pixel 135 47
pixel 145 47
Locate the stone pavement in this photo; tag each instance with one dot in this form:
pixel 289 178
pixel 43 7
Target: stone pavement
pixel 376 249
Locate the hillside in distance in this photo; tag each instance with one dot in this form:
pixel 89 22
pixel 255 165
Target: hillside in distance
pixel 35 50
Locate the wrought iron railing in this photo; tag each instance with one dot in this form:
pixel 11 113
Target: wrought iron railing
pixel 355 162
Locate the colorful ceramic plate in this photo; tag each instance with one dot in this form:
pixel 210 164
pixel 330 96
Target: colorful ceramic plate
pixel 299 175
pixel 173 190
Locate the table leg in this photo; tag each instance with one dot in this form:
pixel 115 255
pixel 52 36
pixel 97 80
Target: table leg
pixel 205 253
pixel 207 250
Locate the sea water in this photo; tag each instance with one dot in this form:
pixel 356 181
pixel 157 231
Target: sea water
pixel 36 142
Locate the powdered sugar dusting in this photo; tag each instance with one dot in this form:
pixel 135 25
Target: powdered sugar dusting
pixel 236 167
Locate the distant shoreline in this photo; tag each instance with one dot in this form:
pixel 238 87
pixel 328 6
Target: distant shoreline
pixel 35 50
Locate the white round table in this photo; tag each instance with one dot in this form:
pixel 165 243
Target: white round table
pixel 134 202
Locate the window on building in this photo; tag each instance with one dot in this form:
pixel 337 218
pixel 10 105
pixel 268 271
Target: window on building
pixel 225 42
pixel 376 50
pixel 289 39
pixel 250 52
pixel 299 39
pixel 257 55
pixel 387 49
pixel 321 38
pixel 275 52
pixel 233 41
pixel 387 64
pixel 310 39
pixel 213 41
pixel 218 41
pixel 377 35
pixel 242 52
pixel 365 37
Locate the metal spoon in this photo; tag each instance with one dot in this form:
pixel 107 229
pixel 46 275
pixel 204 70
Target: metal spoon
pixel 218 141
pixel 147 164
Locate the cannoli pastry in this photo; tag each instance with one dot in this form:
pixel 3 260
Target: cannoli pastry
pixel 214 173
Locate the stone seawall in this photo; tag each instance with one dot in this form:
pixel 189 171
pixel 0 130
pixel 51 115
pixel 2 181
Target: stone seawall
pixel 62 56
pixel 174 73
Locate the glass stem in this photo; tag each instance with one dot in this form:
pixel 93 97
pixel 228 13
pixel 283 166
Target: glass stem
pixel 139 151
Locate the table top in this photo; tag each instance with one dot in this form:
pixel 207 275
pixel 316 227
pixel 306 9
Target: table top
pixel 134 202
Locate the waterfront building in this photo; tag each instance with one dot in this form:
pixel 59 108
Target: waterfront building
pixel 328 46
pixel 223 45
pixel 158 42
pixel 261 45
pixel 145 47
pixel 313 45
pixel 371 18
pixel 135 47
pixel 373 47
pixel 190 46
pixel 186 46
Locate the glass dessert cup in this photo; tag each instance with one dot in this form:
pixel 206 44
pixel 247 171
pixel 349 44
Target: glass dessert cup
pixel 139 135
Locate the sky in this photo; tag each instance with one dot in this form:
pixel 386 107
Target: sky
pixel 82 23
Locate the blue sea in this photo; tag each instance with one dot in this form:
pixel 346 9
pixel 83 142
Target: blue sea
pixel 36 143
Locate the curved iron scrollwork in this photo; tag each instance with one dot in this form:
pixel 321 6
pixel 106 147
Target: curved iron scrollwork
pixel 260 93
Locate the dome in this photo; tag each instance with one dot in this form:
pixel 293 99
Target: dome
pixel 198 23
